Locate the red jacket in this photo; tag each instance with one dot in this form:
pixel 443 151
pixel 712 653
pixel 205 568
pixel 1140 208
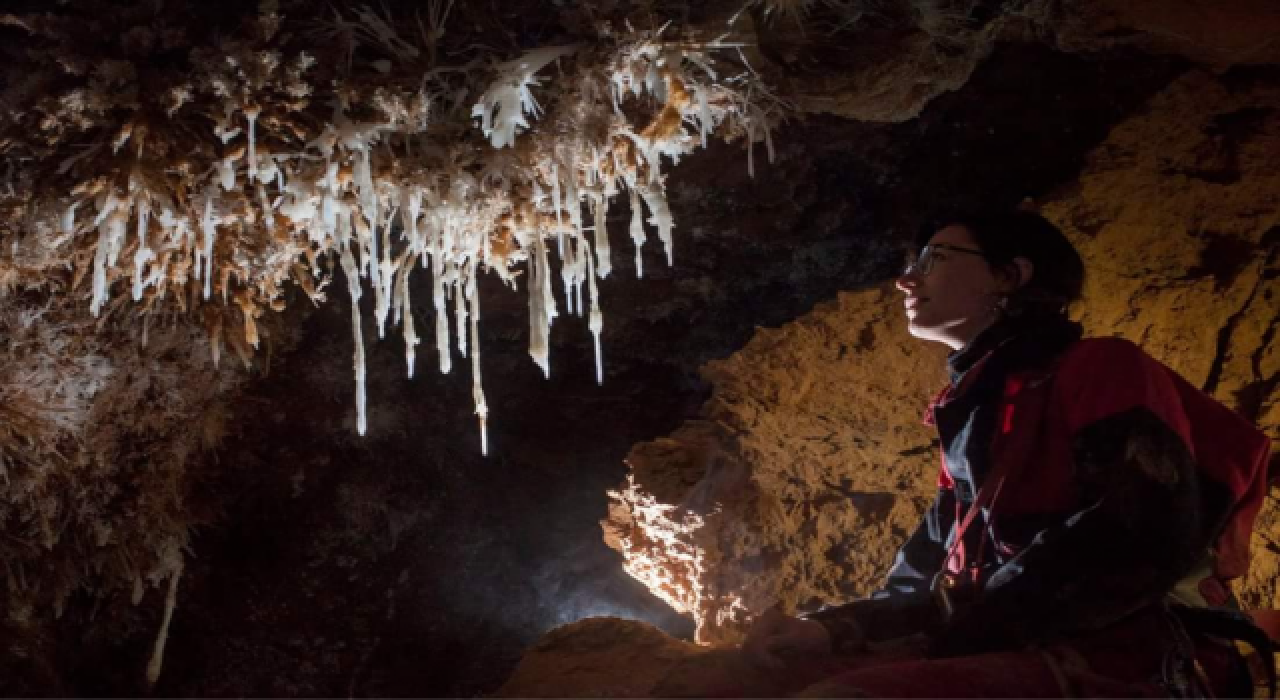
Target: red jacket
pixel 1044 413
pixel 1119 480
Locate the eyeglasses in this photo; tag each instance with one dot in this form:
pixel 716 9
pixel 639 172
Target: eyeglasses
pixel 922 264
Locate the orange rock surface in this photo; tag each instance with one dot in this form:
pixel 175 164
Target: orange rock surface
pixel 597 657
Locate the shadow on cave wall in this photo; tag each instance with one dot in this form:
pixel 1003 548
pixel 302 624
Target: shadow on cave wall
pixel 404 563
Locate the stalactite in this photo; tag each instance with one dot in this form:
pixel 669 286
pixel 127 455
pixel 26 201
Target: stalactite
pixel 637 231
pixel 156 664
pixel 353 286
pixel 327 175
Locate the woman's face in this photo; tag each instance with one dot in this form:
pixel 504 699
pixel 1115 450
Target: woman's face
pixel 951 297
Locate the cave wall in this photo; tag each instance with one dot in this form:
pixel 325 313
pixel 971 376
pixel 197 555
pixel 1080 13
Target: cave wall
pixel 808 466
pixel 1178 218
pixel 315 562
pixel 104 431
pixel 803 472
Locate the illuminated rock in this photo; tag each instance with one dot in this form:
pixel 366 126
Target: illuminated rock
pixel 809 465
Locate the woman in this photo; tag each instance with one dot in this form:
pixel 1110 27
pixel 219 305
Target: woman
pixel 1070 504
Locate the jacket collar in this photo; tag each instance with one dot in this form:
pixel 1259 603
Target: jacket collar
pixel 1019 343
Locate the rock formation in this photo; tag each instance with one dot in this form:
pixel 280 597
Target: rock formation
pixel 804 472
pixel 598 657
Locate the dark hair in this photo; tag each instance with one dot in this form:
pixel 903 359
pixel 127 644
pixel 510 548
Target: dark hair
pixel 1058 276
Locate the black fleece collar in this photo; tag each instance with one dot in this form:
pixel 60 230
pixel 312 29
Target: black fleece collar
pixel 1022 342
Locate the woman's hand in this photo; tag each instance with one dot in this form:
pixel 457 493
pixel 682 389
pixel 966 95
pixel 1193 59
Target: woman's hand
pixel 775 636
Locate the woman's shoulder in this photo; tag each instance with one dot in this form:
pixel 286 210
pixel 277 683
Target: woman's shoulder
pixel 1107 344
pixel 1105 354
pixel 1103 376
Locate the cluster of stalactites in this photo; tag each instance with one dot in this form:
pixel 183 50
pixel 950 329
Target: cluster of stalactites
pixel 536 193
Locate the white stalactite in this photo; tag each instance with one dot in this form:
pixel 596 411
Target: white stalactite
pixel 442 209
pixel 595 319
pixel 542 305
pixel 268 211
pixel 144 254
pixel 210 229
pixel 477 387
pixel 439 287
pixel 227 174
pixel 156 664
pixel 114 218
pixel 637 231
pixel 604 261
pixel 503 106
pixel 353 286
pixel 660 217
pixel 460 307
pixel 385 277
pixel 568 270
pixel 251 115
pixel 406 315
pixel 704 115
